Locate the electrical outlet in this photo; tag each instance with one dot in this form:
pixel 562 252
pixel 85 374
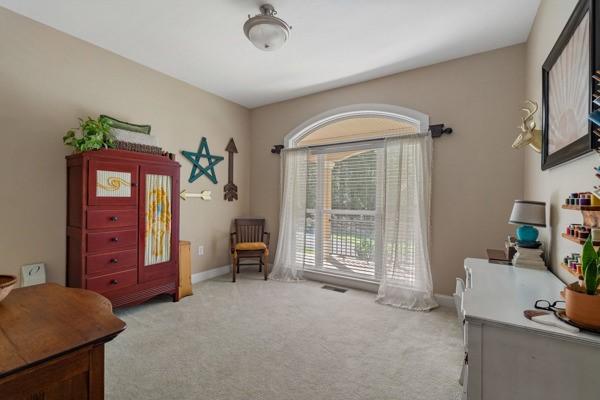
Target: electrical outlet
pixel 33 274
pixel 200 250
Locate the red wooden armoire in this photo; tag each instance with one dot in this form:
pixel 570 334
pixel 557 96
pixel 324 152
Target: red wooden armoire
pixel 123 224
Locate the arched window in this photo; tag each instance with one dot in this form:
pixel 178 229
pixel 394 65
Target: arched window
pixel 356 197
pixel 345 184
pixel 357 122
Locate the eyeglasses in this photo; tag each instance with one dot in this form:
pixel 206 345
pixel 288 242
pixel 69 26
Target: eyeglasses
pixel 546 305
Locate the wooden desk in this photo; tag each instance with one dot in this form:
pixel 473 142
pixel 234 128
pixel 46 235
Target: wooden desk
pixel 52 343
pixel 511 357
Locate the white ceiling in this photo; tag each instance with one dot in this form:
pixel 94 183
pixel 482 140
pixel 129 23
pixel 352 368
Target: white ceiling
pixel 333 42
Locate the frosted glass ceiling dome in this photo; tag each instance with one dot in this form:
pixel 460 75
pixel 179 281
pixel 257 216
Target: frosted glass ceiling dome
pixel 265 30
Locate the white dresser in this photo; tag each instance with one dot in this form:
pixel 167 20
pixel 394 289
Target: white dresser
pixel 510 357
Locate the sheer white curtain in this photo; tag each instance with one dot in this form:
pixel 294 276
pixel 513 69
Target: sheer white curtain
pixel 406 276
pixel 289 258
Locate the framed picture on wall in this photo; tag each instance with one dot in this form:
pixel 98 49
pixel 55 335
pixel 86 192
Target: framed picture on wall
pixel 567 85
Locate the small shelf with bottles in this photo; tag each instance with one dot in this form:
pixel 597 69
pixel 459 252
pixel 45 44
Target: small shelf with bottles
pixel 579 240
pixel 580 208
pixel 569 270
pixel 586 203
pixel 590 227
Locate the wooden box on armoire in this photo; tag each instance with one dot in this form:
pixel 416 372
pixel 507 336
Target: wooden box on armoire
pixel 123 224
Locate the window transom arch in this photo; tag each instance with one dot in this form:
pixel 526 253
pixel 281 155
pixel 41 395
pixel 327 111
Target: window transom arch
pixel 400 120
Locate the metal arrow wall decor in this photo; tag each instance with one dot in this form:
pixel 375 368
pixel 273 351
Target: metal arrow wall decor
pixel 230 189
pixel 204 195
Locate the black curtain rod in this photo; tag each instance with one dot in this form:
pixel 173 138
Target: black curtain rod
pixel 436 131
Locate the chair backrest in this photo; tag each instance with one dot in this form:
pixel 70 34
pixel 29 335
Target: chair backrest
pixel 249 229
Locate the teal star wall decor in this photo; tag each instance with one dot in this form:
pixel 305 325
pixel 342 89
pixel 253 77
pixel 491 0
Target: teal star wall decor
pixel 198 170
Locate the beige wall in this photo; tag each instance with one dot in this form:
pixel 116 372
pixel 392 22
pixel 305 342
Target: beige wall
pixel 476 174
pixel 553 185
pixel 48 80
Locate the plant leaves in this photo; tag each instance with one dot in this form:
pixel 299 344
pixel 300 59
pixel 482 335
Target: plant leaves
pixel 95 134
pixel 588 254
pixel 69 138
pixel 591 278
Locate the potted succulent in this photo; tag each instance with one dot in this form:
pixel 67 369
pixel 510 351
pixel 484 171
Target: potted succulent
pixel 583 297
pixel 95 134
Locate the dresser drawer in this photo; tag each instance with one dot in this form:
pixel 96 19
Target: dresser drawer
pixel 111 218
pixel 111 240
pixel 111 262
pixel 118 280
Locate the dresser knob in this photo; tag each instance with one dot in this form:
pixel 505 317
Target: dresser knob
pixel 115 239
pixel 114 218
pixel 114 260
pixel 114 282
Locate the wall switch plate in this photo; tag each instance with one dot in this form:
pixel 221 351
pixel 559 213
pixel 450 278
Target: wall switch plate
pixel 33 274
pixel 200 250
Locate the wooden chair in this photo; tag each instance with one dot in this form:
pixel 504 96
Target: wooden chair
pixel 249 240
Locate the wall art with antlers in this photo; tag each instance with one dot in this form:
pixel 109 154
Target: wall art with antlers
pixel 529 134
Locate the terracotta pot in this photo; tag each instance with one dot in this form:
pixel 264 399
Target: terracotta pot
pixel 582 308
pixel 7 283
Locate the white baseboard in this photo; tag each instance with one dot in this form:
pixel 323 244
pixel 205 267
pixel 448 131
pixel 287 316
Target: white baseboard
pixel 348 282
pixel 444 300
pixel 211 273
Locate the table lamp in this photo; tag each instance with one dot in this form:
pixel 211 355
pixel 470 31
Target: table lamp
pixel 528 214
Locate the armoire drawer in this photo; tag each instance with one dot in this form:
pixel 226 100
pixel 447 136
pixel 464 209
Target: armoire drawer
pixel 118 280
pixel 100 241
pixel 111 262
pixel 111 218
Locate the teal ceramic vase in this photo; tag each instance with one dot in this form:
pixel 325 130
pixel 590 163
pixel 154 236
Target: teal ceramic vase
pixel 527 233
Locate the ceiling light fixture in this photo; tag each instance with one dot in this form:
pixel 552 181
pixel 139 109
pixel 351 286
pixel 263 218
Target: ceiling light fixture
pixel 265 30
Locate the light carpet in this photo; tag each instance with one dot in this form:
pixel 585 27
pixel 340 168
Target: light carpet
pixel 277 341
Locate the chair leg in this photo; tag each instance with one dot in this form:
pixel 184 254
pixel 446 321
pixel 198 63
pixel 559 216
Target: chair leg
pixel 238 267
pixel 233 264
pixel 266 264
pixel 260 264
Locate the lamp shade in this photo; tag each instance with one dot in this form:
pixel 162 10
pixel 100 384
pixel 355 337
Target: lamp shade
pixel 528 213
pixel 267 36
pixel 265 30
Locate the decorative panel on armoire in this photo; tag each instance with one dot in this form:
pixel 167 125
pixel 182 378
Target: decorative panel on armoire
pixel 123 224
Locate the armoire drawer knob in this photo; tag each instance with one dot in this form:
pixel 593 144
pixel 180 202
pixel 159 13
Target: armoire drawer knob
pixel 115 239
pixel 114 260
pixel 114 282
pixel 114 218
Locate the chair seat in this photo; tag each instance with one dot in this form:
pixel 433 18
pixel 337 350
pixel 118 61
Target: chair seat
pixel 249 253
pixel 252 246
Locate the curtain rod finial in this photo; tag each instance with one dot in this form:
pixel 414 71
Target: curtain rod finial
pixel 277 149
pixel 438 130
